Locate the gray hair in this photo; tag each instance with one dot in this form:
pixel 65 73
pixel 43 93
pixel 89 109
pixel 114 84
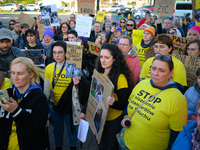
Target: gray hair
pixel 176 20
pixel 128 38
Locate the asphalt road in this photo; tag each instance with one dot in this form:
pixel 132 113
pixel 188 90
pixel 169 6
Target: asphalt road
pixel 5 18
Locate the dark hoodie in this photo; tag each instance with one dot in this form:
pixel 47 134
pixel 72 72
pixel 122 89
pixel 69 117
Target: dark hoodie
pixel 38 46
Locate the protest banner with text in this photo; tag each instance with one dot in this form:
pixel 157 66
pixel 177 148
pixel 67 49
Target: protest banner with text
pixel 94 48
pixel 166 7
pixel 191 65
pixel 36 55
pixel 97 107
pixel 179 44
pixel 137 36
pixel 86 6
pixel 83 25
pixel 24 18
pixel 100 16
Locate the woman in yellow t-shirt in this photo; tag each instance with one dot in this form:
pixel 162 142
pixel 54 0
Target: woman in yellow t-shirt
pixel 156 124
pixel 113 64
pixel 164 45
pixel 4 82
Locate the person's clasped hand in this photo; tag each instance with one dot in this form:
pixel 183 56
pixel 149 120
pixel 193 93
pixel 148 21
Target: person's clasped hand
pixel 110 100
pixel 9 106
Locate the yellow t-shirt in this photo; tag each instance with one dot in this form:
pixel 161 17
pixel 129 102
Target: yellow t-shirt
pixel 62 83
pixel 151 124
pixel 141 53
pixel 7 84
pixel 179 73
pixel 114 113
pixel 13 140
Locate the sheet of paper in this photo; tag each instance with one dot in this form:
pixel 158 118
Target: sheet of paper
pixel 83 130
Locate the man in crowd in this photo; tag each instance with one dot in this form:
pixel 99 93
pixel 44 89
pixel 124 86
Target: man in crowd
pixel 72 17
pixel 17 31
pixel 168 24
pixel 21 41
pixel 177 26
pixel 7 52
pixel 142 21
pixel 95 32
pixel 130 25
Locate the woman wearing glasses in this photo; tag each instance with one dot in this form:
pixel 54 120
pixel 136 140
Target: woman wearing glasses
pixel 156 124
pixel 174 32
pixel 64 28
pixel 58 90
pixel 123 24
pixel 163 44
pixel 193 48
pixel 11 24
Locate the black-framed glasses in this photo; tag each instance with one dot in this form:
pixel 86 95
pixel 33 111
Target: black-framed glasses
pixel 130 25
pixel 163 57
pixel 12 24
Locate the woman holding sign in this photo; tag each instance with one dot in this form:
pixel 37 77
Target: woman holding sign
pixel 160 109
pixel 164 45
pixel 58 88
pixel 113 64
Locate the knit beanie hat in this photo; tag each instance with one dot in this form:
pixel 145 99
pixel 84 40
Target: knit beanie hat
pixel 73 32
pixel 108 19
pixel 49 32
pixel 108 24
pixel 197 28
pixel 119 29
pixel 151 30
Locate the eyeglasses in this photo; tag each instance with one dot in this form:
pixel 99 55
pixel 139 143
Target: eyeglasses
pixel 120 44
pixel 130 25
pixel 58 53
pixel 64 27
pixel 163 57
pixel 191 49
pixel 172 33
pixel 12 24
pixel 122 22
pixel 97 26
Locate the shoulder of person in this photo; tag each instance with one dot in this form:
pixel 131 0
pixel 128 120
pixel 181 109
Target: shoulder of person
pixel 17 51
pixel 177 61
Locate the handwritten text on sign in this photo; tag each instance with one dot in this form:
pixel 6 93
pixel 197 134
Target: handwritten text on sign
pixel 164 6
pixel 179 43
pixel 83 25
pixel 86 6
pixel 74 54
pixel 191 65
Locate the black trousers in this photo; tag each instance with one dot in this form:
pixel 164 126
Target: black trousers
pixel 108 139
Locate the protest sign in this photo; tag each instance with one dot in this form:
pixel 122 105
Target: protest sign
pixel 86 7
pixel 100 16
pixel 197 14
pixel 83 25
pixel 137 36
pixel 179 44
pixel 49 15
pixel 72 70
pixel 36 55
pixel 74 54
pixel 191 65
pixel 24 18
pixel 97 107
pixel 94 48
pixel 41 30
pixel 74 43
pixel 166 7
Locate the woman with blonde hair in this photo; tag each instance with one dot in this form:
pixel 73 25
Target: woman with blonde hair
pixel 26 111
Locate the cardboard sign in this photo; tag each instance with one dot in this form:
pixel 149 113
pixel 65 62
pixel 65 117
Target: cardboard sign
pixel 179 44
pixel 94 48
pixel 74 54
pixel 137 36
pixel 83 25
pixel 24 18
pixel 86 7
pixel 191 65
pixel 49 15
pixel 41 30
pixel 100 16
pixel 36 55
pixel 97 107
pixel 164 6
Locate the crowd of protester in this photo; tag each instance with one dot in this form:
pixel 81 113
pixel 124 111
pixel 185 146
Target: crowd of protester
pixel 145 76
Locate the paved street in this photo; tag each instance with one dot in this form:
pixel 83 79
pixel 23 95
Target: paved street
pixel 90 143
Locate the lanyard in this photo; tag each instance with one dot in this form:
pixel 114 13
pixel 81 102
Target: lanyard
pixel 54 74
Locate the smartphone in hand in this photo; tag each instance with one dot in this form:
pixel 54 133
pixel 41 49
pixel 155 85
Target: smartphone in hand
pixel 4 93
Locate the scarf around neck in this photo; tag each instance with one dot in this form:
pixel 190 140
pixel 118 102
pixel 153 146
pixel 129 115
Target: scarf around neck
pixel 196 139
pixel 46 44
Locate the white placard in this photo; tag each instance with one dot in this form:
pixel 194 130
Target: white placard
pixel 83 25
pixel 83 130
